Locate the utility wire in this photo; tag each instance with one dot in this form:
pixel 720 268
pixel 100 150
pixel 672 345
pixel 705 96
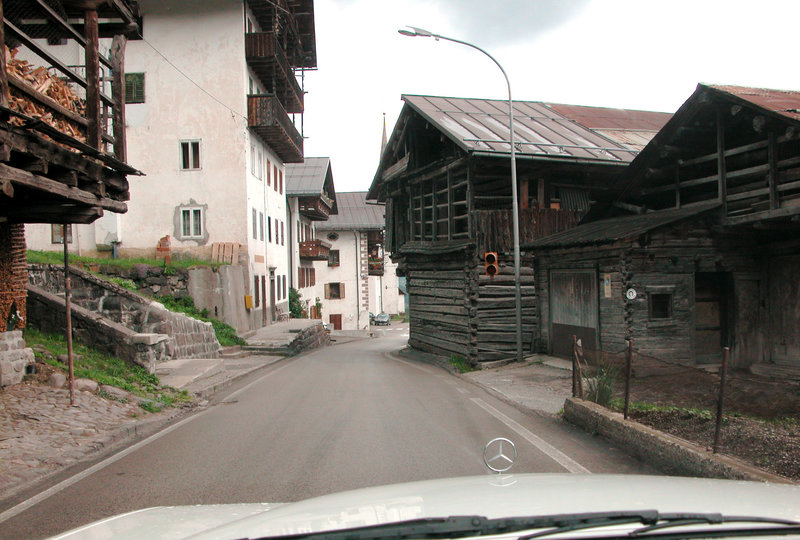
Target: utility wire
pixel 179 70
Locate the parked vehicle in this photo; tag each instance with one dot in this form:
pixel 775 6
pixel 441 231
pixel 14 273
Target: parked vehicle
pixel 383 319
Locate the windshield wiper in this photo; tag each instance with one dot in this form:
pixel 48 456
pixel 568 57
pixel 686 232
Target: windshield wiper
pixel 463 526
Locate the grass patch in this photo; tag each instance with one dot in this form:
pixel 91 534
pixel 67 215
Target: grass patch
pixel 226 334
pixel 57 257
pixel 644 407
pixel 600 388
pixel 461 364
pixel 92 364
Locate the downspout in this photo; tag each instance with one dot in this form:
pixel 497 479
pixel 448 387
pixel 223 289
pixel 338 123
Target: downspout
pixel 265 227
pixel 358 282
pixel 290 245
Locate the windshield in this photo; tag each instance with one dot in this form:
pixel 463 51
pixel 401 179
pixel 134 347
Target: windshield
pixel 526 259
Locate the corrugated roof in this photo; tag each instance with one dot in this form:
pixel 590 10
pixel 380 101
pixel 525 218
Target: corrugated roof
pixel 784 102
pixel 612 230
pixel 354 213
pixel 541 129
pixel 307 178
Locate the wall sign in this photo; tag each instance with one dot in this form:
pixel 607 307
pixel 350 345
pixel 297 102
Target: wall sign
pixel 630 294
pixel 607 285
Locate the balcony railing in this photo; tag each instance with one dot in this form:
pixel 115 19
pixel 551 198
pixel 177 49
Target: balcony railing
pixel 315 208
pixel 314 250
pixel 268 59
pixel 267 117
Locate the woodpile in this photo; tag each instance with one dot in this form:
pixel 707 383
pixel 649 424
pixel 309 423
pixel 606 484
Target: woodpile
pixel 41 81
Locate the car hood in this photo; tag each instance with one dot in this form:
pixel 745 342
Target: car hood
pixel 489 496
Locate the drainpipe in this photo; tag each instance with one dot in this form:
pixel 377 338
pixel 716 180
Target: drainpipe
pixel 290 243
pixel 358 282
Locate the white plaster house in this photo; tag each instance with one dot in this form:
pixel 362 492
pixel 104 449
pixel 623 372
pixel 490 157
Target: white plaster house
pixel 358 277
pixel 211 97
pixel 311 199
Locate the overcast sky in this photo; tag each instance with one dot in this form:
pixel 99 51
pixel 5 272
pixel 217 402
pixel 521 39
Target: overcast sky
pixel 633 54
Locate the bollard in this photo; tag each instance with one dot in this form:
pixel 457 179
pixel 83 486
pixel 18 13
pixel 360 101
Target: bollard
pixel 725 353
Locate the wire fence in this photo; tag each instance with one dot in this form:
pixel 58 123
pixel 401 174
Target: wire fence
pixel 632 381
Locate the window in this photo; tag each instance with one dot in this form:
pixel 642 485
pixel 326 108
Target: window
pixel 660 306
pixel 281 177
pixel 269 178
pixel 56 234
pixel 275 176
pixel 333 257
pixel 192 222
pixel 134 88
pixel 255 235
pixel 261 226
pixel 284 287
pixel 334 291
pixel 256 296
pixel 252 160
pixel 269 228
pixel 190 155
pixel 282 243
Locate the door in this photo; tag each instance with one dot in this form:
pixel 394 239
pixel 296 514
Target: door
pixel 336 321
pixel 263 300
pixel 272 307
pixel 710 316
pixel 573 310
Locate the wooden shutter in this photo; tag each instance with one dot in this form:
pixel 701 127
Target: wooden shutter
pixel 134 88
pixel 327 291
pixel 341 290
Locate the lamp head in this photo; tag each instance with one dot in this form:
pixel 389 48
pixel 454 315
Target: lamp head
pixel 413 31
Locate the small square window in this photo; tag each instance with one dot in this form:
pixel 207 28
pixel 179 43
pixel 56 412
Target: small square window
pixel 333 257
pixel 660 306
pixel 134 88
pixel 57 234
pixel 190 155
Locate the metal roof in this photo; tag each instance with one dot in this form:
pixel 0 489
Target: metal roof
pixel 620 228
pixel 354 213
pixel 784 102
pixel 540 129
pixel 307 178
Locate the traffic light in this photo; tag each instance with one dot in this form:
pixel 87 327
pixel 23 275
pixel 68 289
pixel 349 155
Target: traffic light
pixel 491 264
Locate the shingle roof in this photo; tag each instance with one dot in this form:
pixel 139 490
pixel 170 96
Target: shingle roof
pixel 621 228
pixel 307 178
pixel 541 129
pixel 354 213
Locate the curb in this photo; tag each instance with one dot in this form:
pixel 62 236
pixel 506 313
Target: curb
pixel 665 452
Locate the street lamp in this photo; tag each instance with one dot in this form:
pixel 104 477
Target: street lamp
pixel 412 31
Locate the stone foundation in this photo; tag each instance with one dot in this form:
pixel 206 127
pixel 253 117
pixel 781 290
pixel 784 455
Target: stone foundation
pixel 14 357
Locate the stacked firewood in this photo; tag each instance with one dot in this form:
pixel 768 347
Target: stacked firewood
pixel 42 81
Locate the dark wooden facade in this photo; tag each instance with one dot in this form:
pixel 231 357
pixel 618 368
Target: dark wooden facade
pixel 712 252
pixel 447 205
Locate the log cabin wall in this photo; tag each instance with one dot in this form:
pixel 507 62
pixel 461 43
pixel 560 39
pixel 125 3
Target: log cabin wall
pixel 13 276
pixel 675 262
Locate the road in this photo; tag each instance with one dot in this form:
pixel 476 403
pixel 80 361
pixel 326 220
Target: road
pixel 347 416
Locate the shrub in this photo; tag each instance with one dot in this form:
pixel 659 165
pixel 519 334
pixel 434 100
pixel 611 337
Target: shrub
pixel 295 305
pixel 600 388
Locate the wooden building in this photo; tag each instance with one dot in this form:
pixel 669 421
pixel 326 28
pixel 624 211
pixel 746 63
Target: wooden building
pixel 445 179
pixel 62 130
pixel 700 251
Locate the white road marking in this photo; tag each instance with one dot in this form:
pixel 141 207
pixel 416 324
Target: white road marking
pixel 462 390
pixel 46 494
pixel 551 451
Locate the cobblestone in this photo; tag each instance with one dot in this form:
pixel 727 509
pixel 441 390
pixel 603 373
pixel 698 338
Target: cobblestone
pixel 40 433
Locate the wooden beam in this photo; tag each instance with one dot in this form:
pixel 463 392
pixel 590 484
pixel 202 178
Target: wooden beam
pixel 722 177
pixel 47 185
pixel 51 213
pixel 4 94
pixel 62 24
pixel 94 129
pixel 118 95
pixel 772 173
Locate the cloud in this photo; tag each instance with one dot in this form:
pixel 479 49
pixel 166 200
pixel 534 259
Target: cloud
pixel 506 22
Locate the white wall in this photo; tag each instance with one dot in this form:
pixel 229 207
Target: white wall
pixel 348 273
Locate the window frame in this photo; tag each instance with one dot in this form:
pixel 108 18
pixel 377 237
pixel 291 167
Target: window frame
pixel 56 233
pixel 134 88
pixel 334 261
pixel 194 154
pixel 193 224
pixel 660 299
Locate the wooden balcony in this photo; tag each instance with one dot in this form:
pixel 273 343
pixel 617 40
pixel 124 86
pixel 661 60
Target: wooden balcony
pixel 315 208
pixel 268 59
pixel 314 250
pixel 268 119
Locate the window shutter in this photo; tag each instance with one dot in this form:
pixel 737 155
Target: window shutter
pixel 134 88
pixel 327 291
pixel 341 290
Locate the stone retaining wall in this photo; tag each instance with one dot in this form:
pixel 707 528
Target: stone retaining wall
pixel 14 357
pixel 669 454
pixel 310 338
pixel 184 337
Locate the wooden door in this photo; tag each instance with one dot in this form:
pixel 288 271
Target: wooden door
pixel 710 316
pixel 573 310
pixel 336 321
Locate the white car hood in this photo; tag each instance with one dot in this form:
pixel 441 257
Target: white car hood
pixel 489 496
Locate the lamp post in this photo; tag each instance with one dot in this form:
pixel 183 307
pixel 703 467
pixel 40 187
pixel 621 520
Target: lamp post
pixel 412 31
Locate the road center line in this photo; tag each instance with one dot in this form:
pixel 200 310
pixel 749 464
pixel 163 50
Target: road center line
pixel 551 451
pixel 46 494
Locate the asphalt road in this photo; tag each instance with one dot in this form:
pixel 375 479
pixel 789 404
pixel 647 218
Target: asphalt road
pixel 343 417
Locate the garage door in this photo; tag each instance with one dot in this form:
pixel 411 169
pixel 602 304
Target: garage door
pixel 573 310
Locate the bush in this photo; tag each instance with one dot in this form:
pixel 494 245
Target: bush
pixel 295 305
pixel 600 388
